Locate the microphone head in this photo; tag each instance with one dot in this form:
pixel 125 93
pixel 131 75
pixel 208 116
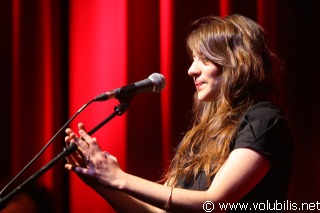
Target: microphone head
pixel 159 82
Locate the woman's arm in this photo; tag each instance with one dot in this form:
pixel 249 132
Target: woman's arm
pixel 125 203
pixel 242 171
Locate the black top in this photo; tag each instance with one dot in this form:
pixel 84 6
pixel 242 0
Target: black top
pixel 264 129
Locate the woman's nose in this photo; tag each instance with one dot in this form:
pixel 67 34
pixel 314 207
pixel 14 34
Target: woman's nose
pixel 194 70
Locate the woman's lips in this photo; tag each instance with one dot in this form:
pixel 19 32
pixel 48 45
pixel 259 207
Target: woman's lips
pixel 198 84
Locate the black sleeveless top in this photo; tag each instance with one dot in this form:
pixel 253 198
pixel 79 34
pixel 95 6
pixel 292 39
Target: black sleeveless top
pixel 264 129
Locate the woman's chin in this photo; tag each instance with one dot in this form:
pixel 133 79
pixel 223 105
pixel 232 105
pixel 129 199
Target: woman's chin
pixel 205 97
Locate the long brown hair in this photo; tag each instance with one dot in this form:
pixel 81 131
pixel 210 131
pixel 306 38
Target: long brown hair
pixel 238 45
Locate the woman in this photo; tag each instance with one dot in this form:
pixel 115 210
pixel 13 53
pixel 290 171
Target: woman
pixel 239 149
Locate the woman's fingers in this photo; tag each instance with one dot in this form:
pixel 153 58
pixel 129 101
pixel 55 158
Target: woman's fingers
pixel 77 158
pixel 69 131
pixel 91 141
pixel 81 126
pixel 87 154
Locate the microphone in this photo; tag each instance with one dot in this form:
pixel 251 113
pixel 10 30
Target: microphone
pixel 155 83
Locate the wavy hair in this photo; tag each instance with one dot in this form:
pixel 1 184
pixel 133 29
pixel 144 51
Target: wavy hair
pixel 238 45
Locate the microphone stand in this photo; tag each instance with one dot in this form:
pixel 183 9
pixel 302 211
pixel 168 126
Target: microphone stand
pixel 118 110
pixel 66 151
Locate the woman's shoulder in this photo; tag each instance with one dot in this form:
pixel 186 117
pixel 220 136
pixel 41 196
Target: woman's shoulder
pixel 264 110
pixel 262 116
pixel 264 128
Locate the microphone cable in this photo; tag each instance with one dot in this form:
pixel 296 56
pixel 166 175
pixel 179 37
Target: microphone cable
pixel 157 82
pixel 47 145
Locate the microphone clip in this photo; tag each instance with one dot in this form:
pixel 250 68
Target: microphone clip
pixel 123 106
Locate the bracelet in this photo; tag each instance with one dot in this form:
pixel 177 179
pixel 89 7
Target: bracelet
pixel 168 205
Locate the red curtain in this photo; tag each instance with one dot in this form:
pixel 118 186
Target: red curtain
pixel 58 55
pixel 32 88
pixel 98 63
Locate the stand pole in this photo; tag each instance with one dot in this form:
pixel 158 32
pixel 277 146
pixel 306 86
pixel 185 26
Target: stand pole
pixel 118 110
pixel 66 151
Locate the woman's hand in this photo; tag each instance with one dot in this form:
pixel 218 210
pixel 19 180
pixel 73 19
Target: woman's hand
pixel 101 171
pixel 91 163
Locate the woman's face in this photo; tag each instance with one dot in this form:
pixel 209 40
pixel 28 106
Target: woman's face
pixel 207 78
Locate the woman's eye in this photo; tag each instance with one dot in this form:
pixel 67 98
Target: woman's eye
pixel 206 61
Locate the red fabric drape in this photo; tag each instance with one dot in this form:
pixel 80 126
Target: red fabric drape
pixel 98 63
pixel 57 55
pixel 33 76
pixel 166 37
